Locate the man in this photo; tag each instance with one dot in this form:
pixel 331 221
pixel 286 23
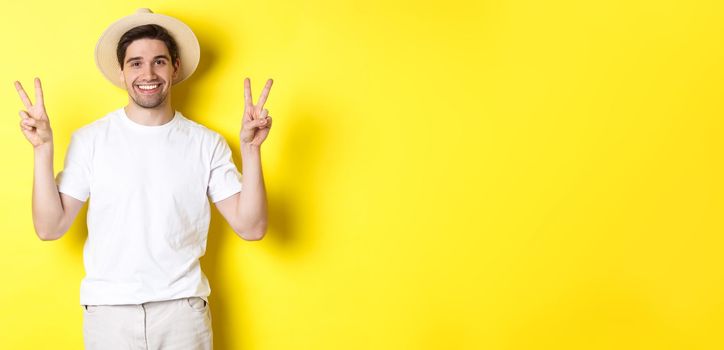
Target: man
pixel 148 170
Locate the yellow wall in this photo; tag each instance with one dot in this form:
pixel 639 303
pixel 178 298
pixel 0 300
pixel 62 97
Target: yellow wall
pixel 442 175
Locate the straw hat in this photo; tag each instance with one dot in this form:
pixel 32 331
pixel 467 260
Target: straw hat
pixel 188 46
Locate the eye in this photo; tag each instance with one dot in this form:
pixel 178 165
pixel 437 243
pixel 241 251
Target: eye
pixel 160 61
pixel 135 64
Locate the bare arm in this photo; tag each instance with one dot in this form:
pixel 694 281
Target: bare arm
pixel 53 212
pixel 246 212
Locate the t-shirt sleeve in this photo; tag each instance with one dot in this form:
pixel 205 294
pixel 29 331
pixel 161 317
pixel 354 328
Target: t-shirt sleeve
pixel 74 179
pixel 225 179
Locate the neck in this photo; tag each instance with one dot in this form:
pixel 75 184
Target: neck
pixel 149 116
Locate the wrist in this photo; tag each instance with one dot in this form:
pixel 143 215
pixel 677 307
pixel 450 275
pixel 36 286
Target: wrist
pixel 250 153
pixel 250 148
pixel 44 148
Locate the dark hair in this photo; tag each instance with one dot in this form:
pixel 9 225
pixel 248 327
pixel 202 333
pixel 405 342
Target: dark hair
pixel 147 31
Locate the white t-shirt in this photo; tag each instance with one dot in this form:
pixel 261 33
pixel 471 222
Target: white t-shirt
pixel 148 215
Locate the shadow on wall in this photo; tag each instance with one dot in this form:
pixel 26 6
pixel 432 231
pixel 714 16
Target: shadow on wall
pixel 300 164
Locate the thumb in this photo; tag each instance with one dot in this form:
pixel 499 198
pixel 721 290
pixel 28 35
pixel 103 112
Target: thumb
pixel 27 119
pixel 256 123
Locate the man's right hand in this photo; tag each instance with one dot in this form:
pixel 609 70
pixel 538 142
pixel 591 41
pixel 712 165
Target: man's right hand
pixel 35 124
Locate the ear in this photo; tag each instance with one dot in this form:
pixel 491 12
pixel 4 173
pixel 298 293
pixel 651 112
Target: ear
pixel 177 68
pixel 121 77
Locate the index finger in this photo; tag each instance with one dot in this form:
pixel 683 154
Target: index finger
pixel 23 95
pixel 38 92
pixel 247 93
pixel 264 95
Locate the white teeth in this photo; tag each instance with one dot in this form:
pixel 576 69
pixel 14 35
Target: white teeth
pixel 147 87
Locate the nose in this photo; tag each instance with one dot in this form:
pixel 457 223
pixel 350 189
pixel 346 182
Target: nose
pixel 148 72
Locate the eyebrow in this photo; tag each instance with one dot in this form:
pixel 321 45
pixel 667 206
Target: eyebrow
pixel 140 58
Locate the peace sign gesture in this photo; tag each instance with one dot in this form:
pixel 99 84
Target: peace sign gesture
pixel 35 124
pixel 256 123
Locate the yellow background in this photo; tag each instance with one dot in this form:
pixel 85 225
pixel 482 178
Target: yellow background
pixel 441 174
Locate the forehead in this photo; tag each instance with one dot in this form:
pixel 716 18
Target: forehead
pixel 147 48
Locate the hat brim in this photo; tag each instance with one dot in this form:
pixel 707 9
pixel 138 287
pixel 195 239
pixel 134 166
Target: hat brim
pixel 188 46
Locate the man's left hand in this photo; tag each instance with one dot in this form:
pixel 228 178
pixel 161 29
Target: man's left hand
pixel 256 123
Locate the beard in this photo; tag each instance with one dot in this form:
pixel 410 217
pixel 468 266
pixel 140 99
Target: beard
pixel 149 101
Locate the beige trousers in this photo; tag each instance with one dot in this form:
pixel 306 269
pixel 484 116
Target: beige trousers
pixel 160 325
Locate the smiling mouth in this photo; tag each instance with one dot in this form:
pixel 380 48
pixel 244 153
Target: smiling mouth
pixel 148 88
